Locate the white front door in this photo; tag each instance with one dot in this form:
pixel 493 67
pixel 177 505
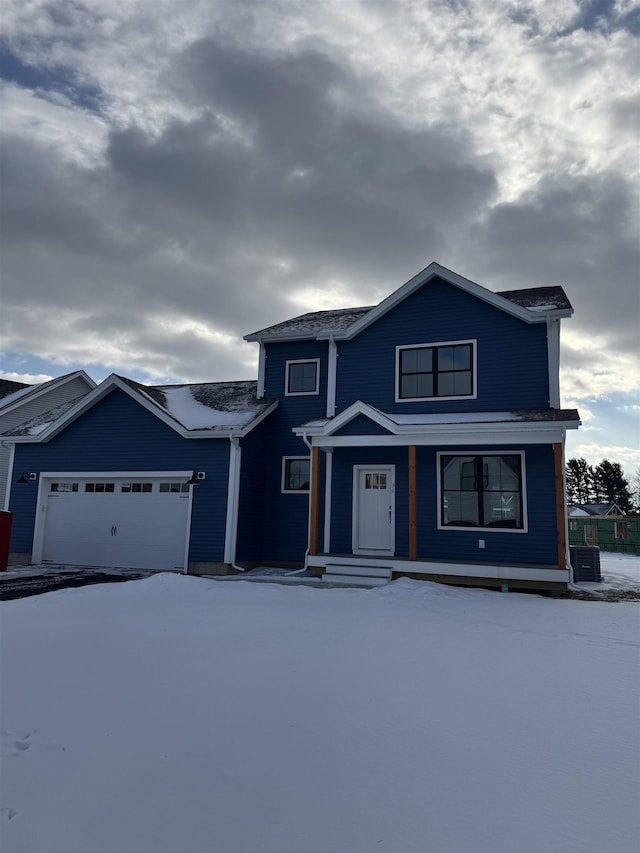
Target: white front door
pixel 373 509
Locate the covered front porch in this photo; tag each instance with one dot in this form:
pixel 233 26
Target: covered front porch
pixel 444 498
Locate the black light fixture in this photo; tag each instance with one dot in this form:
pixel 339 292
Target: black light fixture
pixel 26 478
pixel 195 479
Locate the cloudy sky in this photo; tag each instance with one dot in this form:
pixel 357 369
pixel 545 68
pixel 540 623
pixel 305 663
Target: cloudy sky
pixel 176 174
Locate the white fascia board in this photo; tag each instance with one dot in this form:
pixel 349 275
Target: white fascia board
pixel 433 567
pixel 254 423
pixel 355 409
pixel 112 381
pixel 553 361
pixel 44 388
pixel 434 269
pixel 105 387
pixel 262 358
pixel 445 437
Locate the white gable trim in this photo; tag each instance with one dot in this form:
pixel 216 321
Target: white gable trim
pixel 106 387
pixel 355 409
pixel 435 270
pixel 44 388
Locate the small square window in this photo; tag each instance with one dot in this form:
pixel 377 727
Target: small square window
pixel 302 377
pixel 296 473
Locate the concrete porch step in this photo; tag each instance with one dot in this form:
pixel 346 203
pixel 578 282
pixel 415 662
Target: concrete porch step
pixel 353 580
pixel 336 573
pixel 364 571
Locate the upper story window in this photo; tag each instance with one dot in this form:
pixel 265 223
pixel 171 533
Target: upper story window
pixel 444 371
pixel 302 376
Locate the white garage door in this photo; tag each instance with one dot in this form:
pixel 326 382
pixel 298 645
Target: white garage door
pixel 137 522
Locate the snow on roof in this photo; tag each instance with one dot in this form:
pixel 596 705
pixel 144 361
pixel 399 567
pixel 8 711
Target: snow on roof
pixel 215 406
pixel 38 423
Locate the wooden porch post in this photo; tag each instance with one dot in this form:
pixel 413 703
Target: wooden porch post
pixel 413 530
pixel 560 507
pixel 313 498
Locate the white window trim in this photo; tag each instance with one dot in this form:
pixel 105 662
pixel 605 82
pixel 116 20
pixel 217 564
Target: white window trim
pixel 288 393
pixel 284 491
pixel 474 370
pixel 488 530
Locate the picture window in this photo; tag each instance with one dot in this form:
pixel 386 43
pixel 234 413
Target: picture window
pixel 481 491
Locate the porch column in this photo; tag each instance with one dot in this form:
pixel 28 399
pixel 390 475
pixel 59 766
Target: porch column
pixel 313 498
pixel 560 507
pixel 413 531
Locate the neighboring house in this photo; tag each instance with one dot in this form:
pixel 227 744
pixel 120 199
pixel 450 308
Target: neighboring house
pixel 422 436
pixel 607 532
pixel 20 402
pixel 597 510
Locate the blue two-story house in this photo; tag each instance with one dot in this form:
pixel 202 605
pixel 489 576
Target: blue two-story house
pixel 420 437
pixel 426 432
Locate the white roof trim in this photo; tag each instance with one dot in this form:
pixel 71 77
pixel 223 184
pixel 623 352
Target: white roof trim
pixel 355 409
pixel 114 381
pixel 435 270
pixel 460 424
pixel 528 315
pixel 41 388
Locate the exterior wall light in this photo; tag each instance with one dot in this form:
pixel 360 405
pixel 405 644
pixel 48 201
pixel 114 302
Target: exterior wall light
pixel 26 477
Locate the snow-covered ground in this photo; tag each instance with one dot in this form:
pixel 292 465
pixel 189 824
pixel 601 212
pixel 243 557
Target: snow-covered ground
pixel 186 715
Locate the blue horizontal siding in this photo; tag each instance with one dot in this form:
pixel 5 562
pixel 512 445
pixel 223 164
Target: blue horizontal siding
pixel 537 546
pixel 342 493
pixel 251 504
pixel 286 516
pixel 512 355
pixel 118 434
pixel 362 425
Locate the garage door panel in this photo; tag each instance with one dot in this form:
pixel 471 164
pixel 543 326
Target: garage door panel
pixel 116 528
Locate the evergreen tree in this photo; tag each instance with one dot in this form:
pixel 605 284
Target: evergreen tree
pixel 579 481
pixel 610 485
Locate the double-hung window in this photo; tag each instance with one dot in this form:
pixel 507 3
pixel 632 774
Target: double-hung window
pixel 302 377
pixel 436 371
pixel 482 491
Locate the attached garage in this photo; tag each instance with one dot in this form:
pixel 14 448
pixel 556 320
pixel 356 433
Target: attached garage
pixel 107 520
pixel 143 477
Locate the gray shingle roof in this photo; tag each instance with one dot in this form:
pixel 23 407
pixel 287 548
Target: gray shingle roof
pixel 220 407
pixel 339 320
pixel 315 323
pixel 538 298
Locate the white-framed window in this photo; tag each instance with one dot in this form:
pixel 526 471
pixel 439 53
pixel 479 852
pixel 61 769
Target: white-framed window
pixel 445 370
pixel 482 491
pixel 296 474
pixel 63 487
pixel 136 488
pixel 302 376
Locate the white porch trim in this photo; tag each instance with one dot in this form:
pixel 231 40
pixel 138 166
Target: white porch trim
pixel 434 567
